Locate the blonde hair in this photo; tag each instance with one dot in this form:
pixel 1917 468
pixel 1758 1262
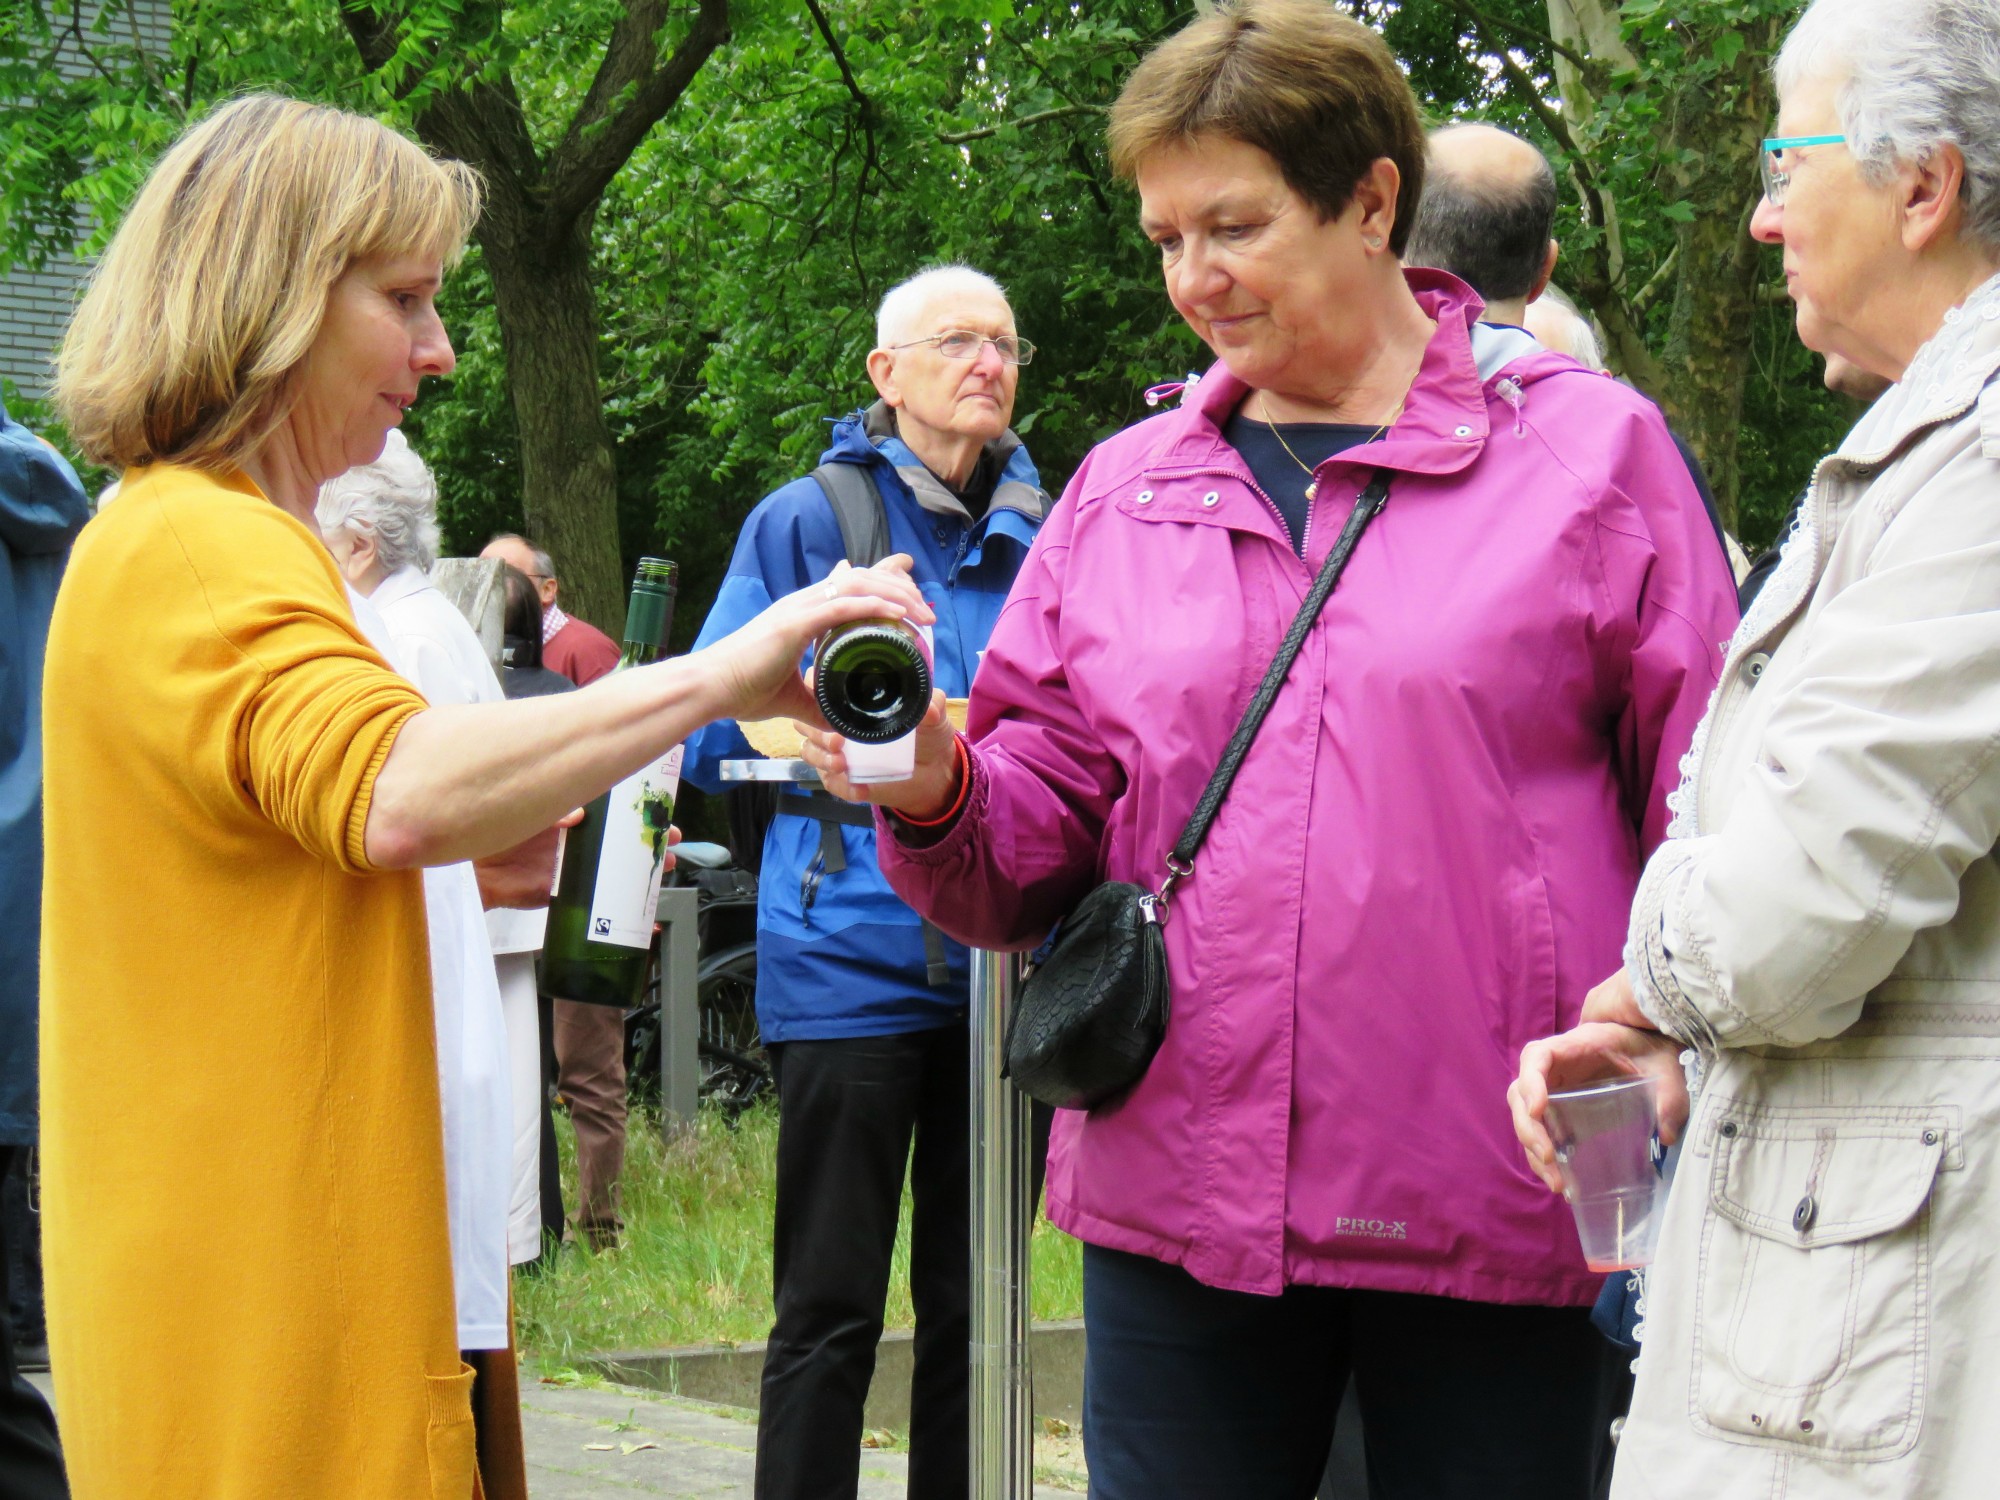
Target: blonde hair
pixel 215 286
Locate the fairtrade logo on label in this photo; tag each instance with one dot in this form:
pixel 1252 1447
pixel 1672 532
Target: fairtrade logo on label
pixel 1373 1229
pixel 601 927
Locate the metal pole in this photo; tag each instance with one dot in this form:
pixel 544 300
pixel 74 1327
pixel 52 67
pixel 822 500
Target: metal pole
pixel 1002 1407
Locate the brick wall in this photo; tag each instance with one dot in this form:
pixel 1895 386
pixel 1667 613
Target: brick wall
pixel 35 305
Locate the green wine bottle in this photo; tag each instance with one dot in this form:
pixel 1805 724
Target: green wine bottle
pixel 872 679
pixel 600 934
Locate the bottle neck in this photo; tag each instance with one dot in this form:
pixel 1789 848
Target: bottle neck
pixel 646 620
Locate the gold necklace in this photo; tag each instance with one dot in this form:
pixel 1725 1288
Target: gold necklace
pixel 1312 481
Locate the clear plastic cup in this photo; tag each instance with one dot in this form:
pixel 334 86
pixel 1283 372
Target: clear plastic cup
pixel 1607 1140
pixel 871 765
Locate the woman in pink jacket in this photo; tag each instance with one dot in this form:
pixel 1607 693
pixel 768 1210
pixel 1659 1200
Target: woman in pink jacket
pixel 1428 855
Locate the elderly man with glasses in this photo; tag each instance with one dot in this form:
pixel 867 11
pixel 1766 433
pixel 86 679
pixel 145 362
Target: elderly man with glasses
pixel 863 1006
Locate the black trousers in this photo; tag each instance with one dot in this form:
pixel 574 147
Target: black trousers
pixel 1191 1393
pixel 31 1465
pixel 849 1113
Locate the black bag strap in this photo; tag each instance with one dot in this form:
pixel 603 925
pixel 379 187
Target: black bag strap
pixel 1180 863
pixel 857 505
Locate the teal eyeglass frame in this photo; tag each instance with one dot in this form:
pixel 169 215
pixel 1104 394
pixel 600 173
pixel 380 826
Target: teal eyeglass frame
pixel 1775 179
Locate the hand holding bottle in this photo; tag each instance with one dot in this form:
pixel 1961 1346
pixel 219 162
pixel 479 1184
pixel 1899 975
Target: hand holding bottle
pixel 757 667
pixel 932 788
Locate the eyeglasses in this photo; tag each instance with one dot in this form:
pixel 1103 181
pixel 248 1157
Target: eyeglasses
pixel 1776 178
pixel 963 343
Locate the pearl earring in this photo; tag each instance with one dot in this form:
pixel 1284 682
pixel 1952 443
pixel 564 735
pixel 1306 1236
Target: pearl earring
pixel 1374 242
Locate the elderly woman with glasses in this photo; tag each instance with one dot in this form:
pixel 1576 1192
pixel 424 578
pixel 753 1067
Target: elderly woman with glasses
pixel 249 1265
pixel 1429 848
pixel 1822 934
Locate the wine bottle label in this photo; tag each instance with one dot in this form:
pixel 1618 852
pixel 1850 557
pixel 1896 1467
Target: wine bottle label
pixel 630 862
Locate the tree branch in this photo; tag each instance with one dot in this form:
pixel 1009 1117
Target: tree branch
pixel 634 94
pixel 840 61
pixel 1654 282
pixel 1481 20
pixel 960 137
pixel 75 29
pixel 372 31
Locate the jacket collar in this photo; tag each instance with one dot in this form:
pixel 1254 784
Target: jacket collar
pixel 1948 377
pixel 1444 422
pixel 870 436
pixel 399 586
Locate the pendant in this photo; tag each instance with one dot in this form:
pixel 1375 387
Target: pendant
pixel 1312 492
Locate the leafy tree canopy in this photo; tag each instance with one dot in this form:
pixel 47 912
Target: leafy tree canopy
pixel 834 146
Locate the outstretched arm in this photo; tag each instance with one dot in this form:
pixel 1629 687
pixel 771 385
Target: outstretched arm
pixel 467 781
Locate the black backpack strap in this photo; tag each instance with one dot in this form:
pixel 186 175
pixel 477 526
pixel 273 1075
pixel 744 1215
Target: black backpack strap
pixel 857 506
pixel 864 538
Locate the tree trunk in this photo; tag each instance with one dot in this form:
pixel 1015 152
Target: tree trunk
pixel 1712 150
pixel 569 488
pixel 1708 350
pixel 535 234
pixel 1709 154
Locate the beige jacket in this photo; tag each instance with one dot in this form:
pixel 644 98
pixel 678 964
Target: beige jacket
pixel 1824 1315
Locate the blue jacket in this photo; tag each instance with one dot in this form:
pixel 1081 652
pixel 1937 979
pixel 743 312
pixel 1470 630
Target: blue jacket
pixel 852 962
pixel 42 508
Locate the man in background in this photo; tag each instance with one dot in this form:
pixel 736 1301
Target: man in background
pixel 589 1039
pixel 862 1005
pixel 42 508
pixel 1488 217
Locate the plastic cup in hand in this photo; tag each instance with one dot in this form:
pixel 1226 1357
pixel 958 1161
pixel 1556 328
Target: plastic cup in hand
pixel 871 765
pixel 1607 1140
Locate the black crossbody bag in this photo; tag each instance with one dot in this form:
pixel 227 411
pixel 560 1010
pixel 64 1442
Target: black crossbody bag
pixel 1093 1011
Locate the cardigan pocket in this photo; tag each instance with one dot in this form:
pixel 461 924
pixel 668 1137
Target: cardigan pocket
pixel 1812 1311
pixel 448 1435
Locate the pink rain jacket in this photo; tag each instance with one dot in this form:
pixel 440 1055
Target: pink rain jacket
pixel 1430 853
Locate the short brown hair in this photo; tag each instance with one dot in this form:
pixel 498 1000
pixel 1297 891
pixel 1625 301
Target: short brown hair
pixel 216 284
pixel 1318 92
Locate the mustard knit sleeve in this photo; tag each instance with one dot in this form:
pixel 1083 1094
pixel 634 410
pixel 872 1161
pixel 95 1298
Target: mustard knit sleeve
pixel 310 708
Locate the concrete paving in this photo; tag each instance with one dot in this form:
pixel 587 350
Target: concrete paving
pixel 616 1443
pixel 577 1438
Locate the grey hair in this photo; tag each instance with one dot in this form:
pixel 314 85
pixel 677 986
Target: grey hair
pixel 1583 345
pixel 394 500
pixel 1916 75
pixel 896 320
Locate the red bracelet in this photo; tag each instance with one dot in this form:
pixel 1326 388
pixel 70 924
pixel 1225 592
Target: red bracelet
pixel 958 802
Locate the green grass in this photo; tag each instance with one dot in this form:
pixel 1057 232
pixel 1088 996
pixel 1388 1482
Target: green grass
pixel 695 1267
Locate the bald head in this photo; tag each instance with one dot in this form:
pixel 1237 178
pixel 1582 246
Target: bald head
pixel 1488 208
pixel 1488 157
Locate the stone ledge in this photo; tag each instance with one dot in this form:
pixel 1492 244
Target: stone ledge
pixel 731 1374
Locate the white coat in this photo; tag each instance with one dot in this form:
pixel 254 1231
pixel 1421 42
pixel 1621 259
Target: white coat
pixel 1823 1318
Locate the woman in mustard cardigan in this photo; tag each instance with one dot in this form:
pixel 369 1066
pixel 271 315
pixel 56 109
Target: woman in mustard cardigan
pixel 249 1280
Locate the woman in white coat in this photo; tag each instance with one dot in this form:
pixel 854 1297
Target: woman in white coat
pixel 380 523
pixel 1822 931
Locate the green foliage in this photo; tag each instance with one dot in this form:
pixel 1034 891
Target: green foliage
pixel 695 1266
pixel 740 253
